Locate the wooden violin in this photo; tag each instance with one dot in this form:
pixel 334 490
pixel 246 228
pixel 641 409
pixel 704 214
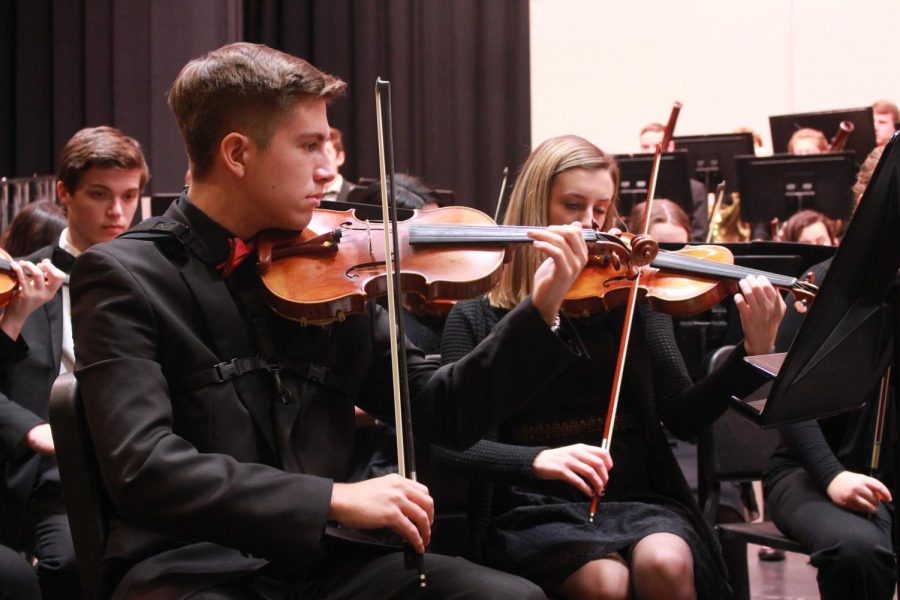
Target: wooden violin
pixel 8 280
pixel 335 266
pixel 680 282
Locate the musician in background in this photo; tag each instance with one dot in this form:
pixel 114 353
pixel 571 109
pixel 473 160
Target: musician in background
pixel 338 188
pixel 532 478
pixel 821 491
pixel 37 224
pixel 886 116
pixel 668 222
pixel 651 135
pixel 101 175
pixel 807 141
pixel 809 227
pixel 865 174
pixel 758 148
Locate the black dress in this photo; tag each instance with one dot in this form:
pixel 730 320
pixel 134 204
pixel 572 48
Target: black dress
pixel 540 529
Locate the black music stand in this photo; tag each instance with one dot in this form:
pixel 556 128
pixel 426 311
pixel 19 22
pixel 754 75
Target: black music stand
pixel 779 186
pixel 673 181
pixel 712 156
pixel 860 142
pixel 844 345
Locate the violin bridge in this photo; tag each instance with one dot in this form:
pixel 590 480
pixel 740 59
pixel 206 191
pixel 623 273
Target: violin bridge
pixel 369 235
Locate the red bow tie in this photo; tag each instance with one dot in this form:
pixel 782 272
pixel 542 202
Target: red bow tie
pixel 239 251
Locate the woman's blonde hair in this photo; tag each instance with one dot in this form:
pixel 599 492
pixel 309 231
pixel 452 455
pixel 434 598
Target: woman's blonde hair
pixel 529 205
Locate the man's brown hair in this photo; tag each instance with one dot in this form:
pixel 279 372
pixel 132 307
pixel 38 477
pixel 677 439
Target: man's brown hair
pixel 244 87
pixel 104 147
pixel 888 107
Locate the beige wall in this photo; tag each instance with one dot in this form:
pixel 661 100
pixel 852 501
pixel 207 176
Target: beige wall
pixel 605 68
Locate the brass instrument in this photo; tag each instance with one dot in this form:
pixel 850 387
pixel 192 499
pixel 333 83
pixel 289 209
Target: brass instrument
pixel 725 224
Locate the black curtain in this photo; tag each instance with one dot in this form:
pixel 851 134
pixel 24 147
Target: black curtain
pixel 459 73
pixel 68 64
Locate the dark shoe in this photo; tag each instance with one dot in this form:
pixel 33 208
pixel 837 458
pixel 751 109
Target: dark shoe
pixel 770 554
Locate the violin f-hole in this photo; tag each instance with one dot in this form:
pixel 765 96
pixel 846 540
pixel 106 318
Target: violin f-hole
pixel 350 273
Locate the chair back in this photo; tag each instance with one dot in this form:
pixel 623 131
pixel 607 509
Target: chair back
pixel 87 504
pixel 731 449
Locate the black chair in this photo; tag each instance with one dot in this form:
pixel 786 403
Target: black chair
pixel 734 449
pixel 87 504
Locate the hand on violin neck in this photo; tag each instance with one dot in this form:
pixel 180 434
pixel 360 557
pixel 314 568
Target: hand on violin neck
pixel 37 284
pixel 761 308
pixel 402 505
pixel 567 255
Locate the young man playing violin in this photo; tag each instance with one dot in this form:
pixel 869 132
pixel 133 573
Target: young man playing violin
pixel 223 431
pixel 102 173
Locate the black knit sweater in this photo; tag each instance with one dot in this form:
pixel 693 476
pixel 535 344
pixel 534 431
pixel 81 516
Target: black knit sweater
pixel 658 389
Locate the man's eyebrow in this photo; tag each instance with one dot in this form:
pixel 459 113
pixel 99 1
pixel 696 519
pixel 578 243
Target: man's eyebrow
pixel 319 137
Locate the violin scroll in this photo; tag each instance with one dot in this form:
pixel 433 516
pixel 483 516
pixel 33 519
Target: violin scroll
pixel 643 250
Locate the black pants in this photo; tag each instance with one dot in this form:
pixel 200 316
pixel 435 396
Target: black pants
pixel 385 577
pixel 49 538
pixel 852 552
pixel 18 580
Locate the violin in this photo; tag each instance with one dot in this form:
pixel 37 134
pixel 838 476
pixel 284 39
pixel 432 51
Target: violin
pixel 680 283
pixel 335 266
pixel 8 280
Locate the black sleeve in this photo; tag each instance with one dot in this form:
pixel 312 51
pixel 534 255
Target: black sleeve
pixel 15 420
pixel 489 460
pixel 685 408
pixel 805 442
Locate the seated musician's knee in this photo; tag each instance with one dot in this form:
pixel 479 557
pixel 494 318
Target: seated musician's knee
pixel 670 562
pixel 606 579
pixel 854 554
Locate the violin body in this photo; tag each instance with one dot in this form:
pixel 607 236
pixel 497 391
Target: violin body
pixel 335 266
pixel 602 286
pixel 8 280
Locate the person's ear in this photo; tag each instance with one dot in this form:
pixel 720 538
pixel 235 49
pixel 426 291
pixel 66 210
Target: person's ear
pixel 235 151
pixel 63 193
pixel 339 159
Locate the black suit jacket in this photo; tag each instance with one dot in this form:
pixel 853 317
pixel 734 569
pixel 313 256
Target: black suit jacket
pixel 219 480
pixel 30 366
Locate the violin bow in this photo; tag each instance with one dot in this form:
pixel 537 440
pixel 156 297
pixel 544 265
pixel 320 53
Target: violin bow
pixel 406 456
pixel 879 421
pixel 669 130
pixel 502 193
pixel 626 328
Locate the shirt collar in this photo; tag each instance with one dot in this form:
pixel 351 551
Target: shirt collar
pixel 211 234
pixel 334 186
pixel 65 242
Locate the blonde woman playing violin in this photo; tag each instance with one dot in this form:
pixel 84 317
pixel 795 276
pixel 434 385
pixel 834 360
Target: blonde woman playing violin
pixel 534 479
